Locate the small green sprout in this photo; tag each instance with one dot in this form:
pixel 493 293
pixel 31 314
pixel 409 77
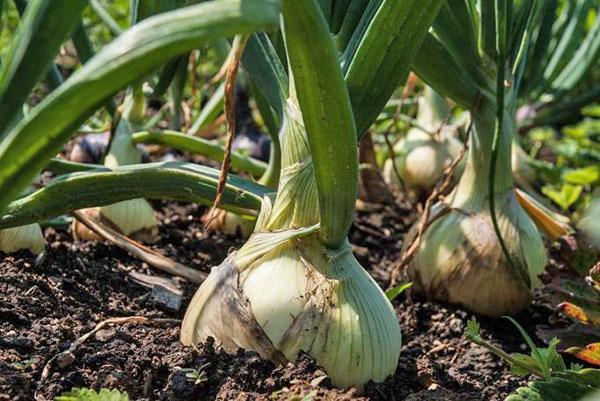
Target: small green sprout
pixel 196 376
pixel 87 394
pixel 556 382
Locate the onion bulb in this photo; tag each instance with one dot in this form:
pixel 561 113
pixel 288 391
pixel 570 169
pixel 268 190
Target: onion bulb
pixel 525 175
pixel 28 237
pixel 229 223
pixel 133 217
pixel 589 223
pixel 460 259
pixel 284 292
pixel 421 159
pixel 424 153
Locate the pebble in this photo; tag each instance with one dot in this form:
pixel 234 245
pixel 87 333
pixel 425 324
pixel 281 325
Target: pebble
pixel 105 334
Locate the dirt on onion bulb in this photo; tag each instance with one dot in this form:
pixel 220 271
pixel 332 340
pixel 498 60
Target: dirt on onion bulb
pixel 283 292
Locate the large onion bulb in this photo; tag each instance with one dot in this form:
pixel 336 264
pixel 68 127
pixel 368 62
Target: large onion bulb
pixel 460 259
pixel 283 292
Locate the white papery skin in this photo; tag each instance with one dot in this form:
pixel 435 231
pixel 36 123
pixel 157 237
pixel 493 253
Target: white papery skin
pixel 276 309
pixel 283 292
pixel 29 237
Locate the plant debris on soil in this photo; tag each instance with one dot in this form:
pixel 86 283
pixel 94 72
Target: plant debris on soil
pixel 48 303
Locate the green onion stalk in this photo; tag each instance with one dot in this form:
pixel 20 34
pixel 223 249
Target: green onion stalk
pixel 427 149
pixel 133 217
pixel 324 303
pixel 480 249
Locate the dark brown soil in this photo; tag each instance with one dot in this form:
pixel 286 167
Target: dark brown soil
pixel 48 303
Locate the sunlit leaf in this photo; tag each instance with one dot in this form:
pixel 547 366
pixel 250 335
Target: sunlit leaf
pixel 565 197
pixel 589 354
pixel 394 292
pixel 86 394
pixel 580 314
pixel 582 176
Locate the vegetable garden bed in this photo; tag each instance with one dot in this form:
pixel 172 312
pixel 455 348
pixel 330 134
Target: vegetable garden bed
pixel 46 306
pixel 299 200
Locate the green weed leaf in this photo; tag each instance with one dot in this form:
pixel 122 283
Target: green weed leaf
pixel 86 394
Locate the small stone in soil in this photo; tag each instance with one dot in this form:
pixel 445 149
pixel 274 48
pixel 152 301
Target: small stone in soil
pixel 168 298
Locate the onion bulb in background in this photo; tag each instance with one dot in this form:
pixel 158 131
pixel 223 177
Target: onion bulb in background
pixel 132 217
pixel 460 259
pixel 229 223
pixel 424 153
pixel 525 175
pixel 590 222
pixel 283 292
pixel 28 237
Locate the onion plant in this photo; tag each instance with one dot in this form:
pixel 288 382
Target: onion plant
pixel 133 217
pixel 557 80
pixel 324 303
pixel 18 77
pixel 295 285
pixel 481 249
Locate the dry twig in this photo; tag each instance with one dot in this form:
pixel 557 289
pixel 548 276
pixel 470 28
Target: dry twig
pixel 138 250
pixel 67 357
pixel 424 222
pixel 235 56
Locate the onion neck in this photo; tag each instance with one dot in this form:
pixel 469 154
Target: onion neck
pixel 122 151
pixel 270 178
pixel 472 190
pixel 296 204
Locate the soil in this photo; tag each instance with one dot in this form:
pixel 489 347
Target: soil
pixel 49 302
